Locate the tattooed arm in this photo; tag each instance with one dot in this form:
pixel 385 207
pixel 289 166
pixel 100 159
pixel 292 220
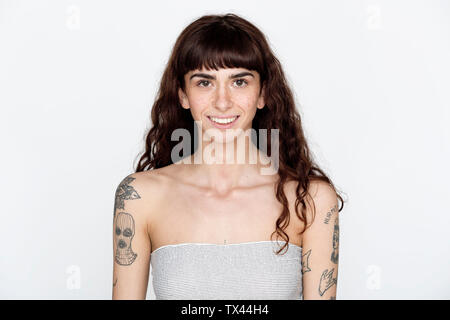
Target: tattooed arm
pixel 131 241
pixel 321 245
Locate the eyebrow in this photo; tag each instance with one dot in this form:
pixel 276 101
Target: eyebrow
pixel 233 76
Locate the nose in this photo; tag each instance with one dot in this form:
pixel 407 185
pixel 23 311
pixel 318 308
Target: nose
pixel 222 98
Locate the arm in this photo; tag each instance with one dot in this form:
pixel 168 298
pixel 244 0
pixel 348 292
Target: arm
pixel 321 246
pixel 131 246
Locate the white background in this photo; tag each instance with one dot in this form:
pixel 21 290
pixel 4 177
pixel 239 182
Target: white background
pixel 77 81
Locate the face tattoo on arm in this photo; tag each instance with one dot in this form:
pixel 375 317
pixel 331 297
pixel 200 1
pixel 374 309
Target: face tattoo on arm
pixel 124 233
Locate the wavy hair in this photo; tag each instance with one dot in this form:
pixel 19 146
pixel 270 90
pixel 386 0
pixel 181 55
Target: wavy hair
pixel 229 41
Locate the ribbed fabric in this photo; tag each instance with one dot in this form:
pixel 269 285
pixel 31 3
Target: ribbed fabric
pixel 249 270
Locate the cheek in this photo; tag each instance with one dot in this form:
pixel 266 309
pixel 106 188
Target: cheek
pixel 246 100
pixel 199 104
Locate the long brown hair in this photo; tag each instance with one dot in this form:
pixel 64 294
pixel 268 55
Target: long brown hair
pixel 229 41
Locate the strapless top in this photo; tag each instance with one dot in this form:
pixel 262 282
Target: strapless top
pixel 249 270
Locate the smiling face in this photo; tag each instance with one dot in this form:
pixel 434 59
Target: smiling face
pixel 222 99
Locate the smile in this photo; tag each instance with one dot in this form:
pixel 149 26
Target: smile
pixel 223 122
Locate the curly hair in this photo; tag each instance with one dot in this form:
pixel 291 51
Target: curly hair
pixel 229 41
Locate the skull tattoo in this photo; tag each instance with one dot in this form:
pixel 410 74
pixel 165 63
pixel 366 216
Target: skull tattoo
pixel 124 233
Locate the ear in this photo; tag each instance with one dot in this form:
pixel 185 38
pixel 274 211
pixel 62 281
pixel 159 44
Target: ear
pixel 261 100
pixel 183 99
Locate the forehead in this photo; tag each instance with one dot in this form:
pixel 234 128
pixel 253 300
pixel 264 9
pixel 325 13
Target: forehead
pixel 222 71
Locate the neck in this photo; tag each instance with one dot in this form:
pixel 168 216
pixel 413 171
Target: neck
pixel 229 165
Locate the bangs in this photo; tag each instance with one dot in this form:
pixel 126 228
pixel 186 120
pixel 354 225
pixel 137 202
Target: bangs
pixel 219 46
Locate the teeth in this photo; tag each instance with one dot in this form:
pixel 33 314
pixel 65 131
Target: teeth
pixel 223 121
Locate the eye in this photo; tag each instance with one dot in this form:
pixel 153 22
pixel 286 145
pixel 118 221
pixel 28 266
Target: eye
pixel 118 231
pixel 241 82
pixel 127 232
pixel 203 83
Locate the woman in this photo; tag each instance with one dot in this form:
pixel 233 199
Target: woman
pixel 203 218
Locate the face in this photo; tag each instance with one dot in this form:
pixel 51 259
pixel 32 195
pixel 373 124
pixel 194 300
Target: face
pixel 222 99
pixel 124 231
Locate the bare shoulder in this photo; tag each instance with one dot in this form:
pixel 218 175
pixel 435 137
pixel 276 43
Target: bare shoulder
pixel 320 198
pixel 143 193
pixel 151 183
pixel 325 200
pixel 322 191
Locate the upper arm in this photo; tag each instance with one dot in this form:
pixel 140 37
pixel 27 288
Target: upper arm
pixel 320 256
pixel 131 241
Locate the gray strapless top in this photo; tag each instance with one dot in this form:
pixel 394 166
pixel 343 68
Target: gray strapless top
pixel 249 270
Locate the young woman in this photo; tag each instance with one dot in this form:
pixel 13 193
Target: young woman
pixel 203 205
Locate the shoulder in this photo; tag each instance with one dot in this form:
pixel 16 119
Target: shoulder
pixel 325 201
pixel 322 191
pixel 318 189
pixel 320 198
pixel 142 192
pixel 151 182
